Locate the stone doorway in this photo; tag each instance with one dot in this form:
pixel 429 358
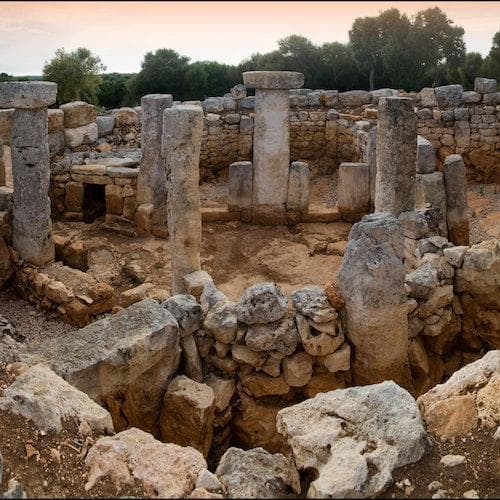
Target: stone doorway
pixel 94 201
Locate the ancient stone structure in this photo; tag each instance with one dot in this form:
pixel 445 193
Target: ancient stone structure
pixel 239 189
pixel 32 225
pixel 371 281
pixel 353 190
pixel 396 155
pixel 151 181
pixel 271 152
pixel 181 141
pixel 456 200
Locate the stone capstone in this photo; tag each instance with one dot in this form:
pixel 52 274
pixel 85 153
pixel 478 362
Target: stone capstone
pixel 27 95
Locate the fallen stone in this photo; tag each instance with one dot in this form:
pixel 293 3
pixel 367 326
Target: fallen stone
pixel 48 400
pixel 338 435
pixel 257 473
pixel 452 460
pixel 165 469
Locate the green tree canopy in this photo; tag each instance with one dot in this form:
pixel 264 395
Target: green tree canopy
pixel 471 67
pixel 76 74
pixel 492 61
pixel 112 90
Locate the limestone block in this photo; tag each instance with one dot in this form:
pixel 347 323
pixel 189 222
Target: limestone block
pixel 239 91
pixel 245 355
pixel 105 125
pixel 262 303
pixel 56 142
pixel 78 113
pixel 430 192
pixel 27 95
pixel 125 116
pixel 239 191
pixel 281 336
pixel 122 172
pixel 471 97
pixel 316 342
pixel 426 156
pixel 213 105
pixel 48 401
pixel 261 385
pixel 273 79
pixel 55 120
pixel 143 218
pixel 340 360
pixel 485 85
pixel 221 321
pixel 186 311
pixel 165 470
pixel 424 114
pixel 371 281
pixel 353 190
pixel 247 103
pixel 329 98
pixel 354 98
pixel 297 369
pixel 6 123
pixel 123 361
pixel 114 200
pixel 195 282
pixel 449 96
pixel 456 200
pixel 298 191
pixel 188 413
pixel 246 124
pixel 396 155
pixel 382 413
pixel 312 302
pixel 86 134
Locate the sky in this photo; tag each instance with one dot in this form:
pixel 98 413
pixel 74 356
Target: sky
pixel 120 33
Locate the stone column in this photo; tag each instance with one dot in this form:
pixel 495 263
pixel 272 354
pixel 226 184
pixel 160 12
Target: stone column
pixel 396 155
pixel 457 215
pixel 271 148
pixel 3 176
pixel 181 144
pixel 151 181
pixel 371 159
pixel 354 191
pixel 31 223
pixel 371 281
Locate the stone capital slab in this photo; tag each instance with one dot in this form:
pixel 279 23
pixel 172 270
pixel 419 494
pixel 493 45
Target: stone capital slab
pixel 27 95
pixel 273 79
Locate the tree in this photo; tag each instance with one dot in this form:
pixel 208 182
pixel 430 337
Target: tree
pixel 492 60
pixel 338 68
pixel 162 72
pixel 4 77
pixel 112 91
pixel 471 67
pixel 76 74
pixel 209 78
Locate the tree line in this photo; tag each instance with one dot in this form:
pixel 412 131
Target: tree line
pixel 389 50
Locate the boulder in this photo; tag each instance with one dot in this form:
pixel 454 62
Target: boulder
pixel 125 117
pixel 213 105
pixel 186 311
pixel 467 399
pixel 281 336
pixel 428 97
pixel 354 98
pixel 47 400
pixel 449 96
pixel 471 97
pixel 124 362
pixel 311 301
pixel 78 113
pixel 86 134
pixel 105 125
pixel 257 473
pixel 221 321
pixel 239 91
pixel 166 470
pixel 352 439
pixel 262 303
pixel 188 414
pixel 485 85
pixel 421 281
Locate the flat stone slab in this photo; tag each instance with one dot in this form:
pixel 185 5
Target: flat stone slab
pixel 122 172
pixel 119 162
pixel 273 79
pixel 123 361
pixel 27 95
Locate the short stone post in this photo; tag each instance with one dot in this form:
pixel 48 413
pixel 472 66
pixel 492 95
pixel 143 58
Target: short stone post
pixel 426 156
pixel 297 203
pixel 31 222
pixel 151 180
pixel 430 193
pixel 271 149
pixel 396 155
pixel 181 144
pixel 354 191
pixel 457 214
pixel 239 190
pixel 371 282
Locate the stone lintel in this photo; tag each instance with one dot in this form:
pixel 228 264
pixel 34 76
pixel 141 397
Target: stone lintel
pixel 273 79
pixel 27 95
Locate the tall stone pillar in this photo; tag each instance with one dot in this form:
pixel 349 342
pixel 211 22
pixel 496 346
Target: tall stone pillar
pixel 371 281
pixel 3 176
pixel 396 155
pixel 181 144
pixel 457 214
pixel 31 223
pixel 271 145
pixel 151 181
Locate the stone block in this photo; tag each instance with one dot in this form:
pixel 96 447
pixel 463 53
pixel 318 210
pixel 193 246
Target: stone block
pixel 74 196
pixel 27 95
pixel 56 142
pixel 485 85
pixel 240 188
pixel 55 120
pixel 428 97
pixel 105 125
pixel 114 200
pixel 78 113
pixel 125 116
pixel 449 96
pixel 87 134
pixel 298 191
pixel 471 97
pixel 213 105
pixel 354 98
pixel 273 79
pixel 353 190
pixel 426 156
pixel 6 122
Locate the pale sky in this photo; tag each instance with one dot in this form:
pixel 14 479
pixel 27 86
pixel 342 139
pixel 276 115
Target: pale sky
pixel 120 33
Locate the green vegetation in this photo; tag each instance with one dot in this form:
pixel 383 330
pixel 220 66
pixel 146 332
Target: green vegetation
pixel 388 50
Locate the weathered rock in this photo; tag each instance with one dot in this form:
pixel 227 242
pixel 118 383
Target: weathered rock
pixel 315 342
pixel 195 281
pixel 239 91
pixel 281 336
pixel 340 434
pixel 55 120
pixel 311 301
pixel 125 116
pixel 262 303
pixel 297 369
pixel 186 311
pixel 105 125
pixel 449 96
pixel 261 385
pixel 371 279
pixel 257 473
pixel 166 470
pixel 245 355
pixel 78 113
pixel 48 400
pixel 452 409
pixel 354 98
pixel 124 361
pixel 223 390
pixel 188 414
pixel 209 481
pixel 340 360
pixel 485 85
pixel 86 134
pixel 426 156
pixel 428 97
pixel 27 94
pixel 221 321
pixel 421 281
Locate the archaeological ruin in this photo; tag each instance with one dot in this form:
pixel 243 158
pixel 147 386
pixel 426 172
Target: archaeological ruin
pixel 204 358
